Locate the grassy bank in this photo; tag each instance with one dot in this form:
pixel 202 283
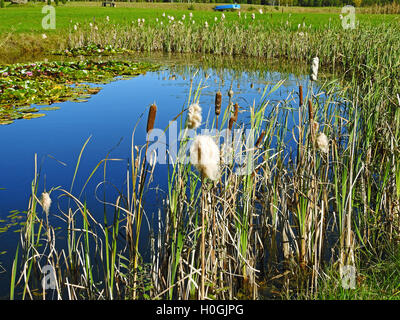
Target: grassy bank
pixel 21 29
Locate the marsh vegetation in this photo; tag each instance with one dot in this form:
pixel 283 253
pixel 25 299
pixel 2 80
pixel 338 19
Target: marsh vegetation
pixel 318 189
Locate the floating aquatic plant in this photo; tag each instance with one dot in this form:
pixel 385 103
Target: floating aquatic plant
pixel 51 82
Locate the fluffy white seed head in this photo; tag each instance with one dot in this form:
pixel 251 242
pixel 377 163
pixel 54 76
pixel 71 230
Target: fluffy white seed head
pixel 323 143
pixel 314 69
pixel 204 155
pixel 45 202
pixel 194 116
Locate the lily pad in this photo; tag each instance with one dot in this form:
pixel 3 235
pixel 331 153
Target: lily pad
pixel 33 115
pixel 49 108
pixel 93 90
pixel 5 122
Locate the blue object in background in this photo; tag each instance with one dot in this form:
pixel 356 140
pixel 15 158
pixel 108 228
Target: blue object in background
pixel 227 7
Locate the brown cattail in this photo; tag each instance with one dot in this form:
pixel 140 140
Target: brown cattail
pixel 260 138
pixel 313 123
pixel 231 121
pixel 310 111
pixel 301 95
pixel 218 101
pixel 152 117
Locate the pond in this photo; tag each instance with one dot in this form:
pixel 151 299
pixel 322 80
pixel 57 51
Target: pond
pixel 108 119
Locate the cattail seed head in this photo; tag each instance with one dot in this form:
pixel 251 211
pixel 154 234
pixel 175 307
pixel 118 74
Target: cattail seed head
pixel 301 95
pixel 310 110
pixel 45 202
pixel 323 143
pixel 218 101
pixel 231 121
pixel 260 138
pixel 194 116
pixel 151 118
pixel 205 156
pixel 314 69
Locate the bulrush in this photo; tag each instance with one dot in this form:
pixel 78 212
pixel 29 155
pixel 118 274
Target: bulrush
pixel 314 69
pixel 231 121
pixel 194 116
pixel 151 118
pixel 260 139
pixel 45 202
pixel 218 102
pixel 204 155
pixel 323 143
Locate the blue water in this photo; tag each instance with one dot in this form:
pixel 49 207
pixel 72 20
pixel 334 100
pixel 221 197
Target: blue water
pixel 108 118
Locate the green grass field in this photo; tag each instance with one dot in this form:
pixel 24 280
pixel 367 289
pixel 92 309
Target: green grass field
pixel 28 19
